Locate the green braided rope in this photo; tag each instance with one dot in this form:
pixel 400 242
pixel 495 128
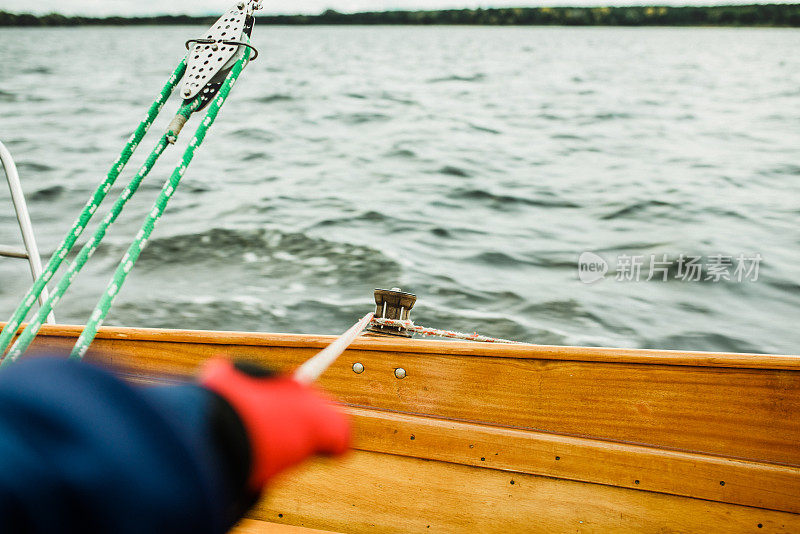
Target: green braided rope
pixel 130 257
pixel 89 248
pixel 97 198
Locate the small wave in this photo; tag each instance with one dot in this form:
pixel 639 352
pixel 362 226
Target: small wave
pixel 5 96
pixel 277 253
pixel 215 243
pixel 47 194
pixel 787 169
pixel 788 93
pixel 497 259
pixel 270 99
pixel 240 312
pixel 484 129
pixel 507 200
pixel 695 307
pixel 568 308
pixel 550 117
pixel 39 69
pixel 255 134
pixel 638 208
pixel 89 148
pixel 455 78
pixel 199 312
pixel 256 156
pixel 400 100
pixel 194 187
pixel 400 153
pixel 358 118
pixel 634 246
pixel 789 287
pixel 568 137
pixel 609 116
pixel 372 216
pixel 30 166
pixel 454 171
pixel 462 297
pixel 713 342
pixel 369 216
pixel 724 212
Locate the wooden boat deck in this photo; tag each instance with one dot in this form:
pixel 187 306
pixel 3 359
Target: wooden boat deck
pixel 500 438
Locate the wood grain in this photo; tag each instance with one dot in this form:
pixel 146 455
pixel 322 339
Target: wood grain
pixel 252 526
pixel 693 475
pixel 737 412
pixel 370 492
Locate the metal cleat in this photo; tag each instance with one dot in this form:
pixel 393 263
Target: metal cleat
pixel 392 304
pixel 211 57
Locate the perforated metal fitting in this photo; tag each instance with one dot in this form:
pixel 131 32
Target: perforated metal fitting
pixel 210 55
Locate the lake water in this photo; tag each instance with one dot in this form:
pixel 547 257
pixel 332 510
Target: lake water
pixel 471 166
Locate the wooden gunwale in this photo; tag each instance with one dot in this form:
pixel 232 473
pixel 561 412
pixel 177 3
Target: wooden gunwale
pixel 496 350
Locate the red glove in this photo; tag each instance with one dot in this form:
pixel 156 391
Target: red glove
pixel 286 422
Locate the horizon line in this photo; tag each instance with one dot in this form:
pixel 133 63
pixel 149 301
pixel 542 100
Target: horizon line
pixel 722 4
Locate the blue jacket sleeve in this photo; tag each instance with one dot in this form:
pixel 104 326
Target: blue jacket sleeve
pixel 83 451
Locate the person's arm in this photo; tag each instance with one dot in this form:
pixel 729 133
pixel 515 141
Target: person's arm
pixel 83 451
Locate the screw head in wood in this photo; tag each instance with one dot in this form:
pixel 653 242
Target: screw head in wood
pixel 400 373
pixel 358 368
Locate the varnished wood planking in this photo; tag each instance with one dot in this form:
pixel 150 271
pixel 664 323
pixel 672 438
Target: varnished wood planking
pixel 370 492
pixel 770 486
pixel 706 477
pixel 737 412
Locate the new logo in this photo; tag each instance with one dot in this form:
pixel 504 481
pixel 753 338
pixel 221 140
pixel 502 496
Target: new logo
pixel 591 267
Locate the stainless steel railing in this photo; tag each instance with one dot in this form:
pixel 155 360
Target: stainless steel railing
pixel 31 251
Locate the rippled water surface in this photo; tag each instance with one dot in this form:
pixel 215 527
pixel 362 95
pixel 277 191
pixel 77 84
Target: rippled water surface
pixel 469 165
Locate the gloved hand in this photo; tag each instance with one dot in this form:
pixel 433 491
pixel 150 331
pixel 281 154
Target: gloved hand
pixel 286 422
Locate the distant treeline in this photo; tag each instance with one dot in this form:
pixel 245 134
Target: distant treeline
pixel 750 15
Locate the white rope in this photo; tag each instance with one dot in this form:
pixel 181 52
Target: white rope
pixel 314 367
pixel 425 331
